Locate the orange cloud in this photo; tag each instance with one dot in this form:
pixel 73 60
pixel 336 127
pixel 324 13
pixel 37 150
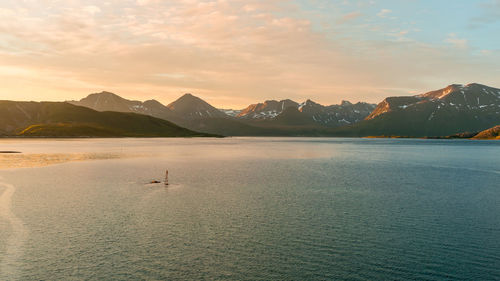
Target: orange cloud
pixel 230 52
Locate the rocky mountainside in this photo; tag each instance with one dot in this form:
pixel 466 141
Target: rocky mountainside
pixel 336 115
pixel 489 134
pixel 106 101
pixel 309 112
pixel 448 111
pixel 231 112
pixel 257 119
pixel 471 97
pixel 190 107
pixel 188 111
pixel 292 116
pixel 266 110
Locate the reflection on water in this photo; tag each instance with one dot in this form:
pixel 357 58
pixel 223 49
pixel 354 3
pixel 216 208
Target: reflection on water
pixel 32 160
pixel 44 152
pixel 10 262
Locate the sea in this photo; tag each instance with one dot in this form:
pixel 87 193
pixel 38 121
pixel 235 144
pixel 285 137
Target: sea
pixel 249 209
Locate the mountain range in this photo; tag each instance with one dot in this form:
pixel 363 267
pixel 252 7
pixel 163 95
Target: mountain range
pixel 61 119
pixel 285 117
pixel 449 111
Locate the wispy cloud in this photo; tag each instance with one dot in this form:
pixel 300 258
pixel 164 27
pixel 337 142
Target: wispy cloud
pixel 490 13
pixel 384 13
pixel 459 43
pixel 92 10
pixel 350 17
pixel 231 52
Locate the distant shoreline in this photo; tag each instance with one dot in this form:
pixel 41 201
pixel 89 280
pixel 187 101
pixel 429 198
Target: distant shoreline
pixel 109 137
pixel 222 137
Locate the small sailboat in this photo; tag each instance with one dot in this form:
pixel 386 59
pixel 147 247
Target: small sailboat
pixel 166 177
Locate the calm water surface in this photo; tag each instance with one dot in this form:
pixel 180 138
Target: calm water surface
pixel 250 209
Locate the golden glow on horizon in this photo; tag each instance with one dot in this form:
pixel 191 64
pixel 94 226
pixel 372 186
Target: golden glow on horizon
pixel 230 53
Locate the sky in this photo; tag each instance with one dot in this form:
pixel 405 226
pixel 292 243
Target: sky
pixel 233 52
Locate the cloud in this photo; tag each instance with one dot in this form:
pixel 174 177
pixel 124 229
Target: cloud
pixel 350 17
pixel 146 2
pixel 490 13
pixel 458 43
pixel 231 52
pixel 91 9
pixel 384 13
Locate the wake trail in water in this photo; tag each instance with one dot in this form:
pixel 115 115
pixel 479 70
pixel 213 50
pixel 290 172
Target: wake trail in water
pixel 10 259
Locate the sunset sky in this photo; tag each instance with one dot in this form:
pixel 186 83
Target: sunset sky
pixel 233 53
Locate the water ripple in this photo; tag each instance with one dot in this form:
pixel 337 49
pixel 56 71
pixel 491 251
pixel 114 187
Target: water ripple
pixel 10 260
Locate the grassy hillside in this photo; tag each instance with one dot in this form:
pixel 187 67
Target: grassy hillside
pixel 59 119
pixel 67 130
pixel 417 124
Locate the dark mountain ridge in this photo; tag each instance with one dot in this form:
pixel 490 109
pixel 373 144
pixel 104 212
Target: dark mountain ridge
pixel 451 110
pixel 61 119
pixel 194 113
pixel 106 101
pixel 266 110
pixel 190 107
pixel 336 115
